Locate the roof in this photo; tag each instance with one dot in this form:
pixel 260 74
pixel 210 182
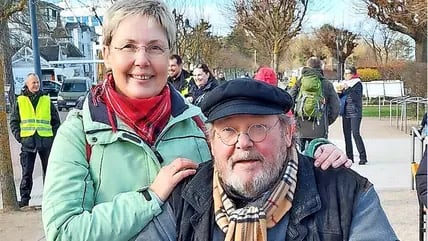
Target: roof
pixel 49 49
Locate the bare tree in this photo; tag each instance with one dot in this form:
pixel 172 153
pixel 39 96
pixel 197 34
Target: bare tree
pixel 381 40
pixel 271 22
pixel 306 46
pixel 7 8
pixel 407 17
pixel 340 42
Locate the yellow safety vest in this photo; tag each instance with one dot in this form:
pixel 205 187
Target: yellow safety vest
pixel 31 121
pixel 185 91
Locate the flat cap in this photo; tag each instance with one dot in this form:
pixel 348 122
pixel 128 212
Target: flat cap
pixel 245 96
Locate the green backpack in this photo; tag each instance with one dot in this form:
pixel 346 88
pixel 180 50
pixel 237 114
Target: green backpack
pixel 310 100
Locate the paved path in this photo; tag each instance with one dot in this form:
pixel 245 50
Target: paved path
pixel 388 152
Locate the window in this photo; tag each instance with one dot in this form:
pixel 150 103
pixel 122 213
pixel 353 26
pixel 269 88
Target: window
pixel 74 87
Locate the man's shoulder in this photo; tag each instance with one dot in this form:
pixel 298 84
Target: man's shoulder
pixel 343 177
pixel 196 189
pixel 185 74
pixel 340 175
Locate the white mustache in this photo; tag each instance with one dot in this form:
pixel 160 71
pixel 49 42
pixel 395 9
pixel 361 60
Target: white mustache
pixel 245 156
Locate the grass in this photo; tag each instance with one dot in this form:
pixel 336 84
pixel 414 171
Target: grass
pixel 373 111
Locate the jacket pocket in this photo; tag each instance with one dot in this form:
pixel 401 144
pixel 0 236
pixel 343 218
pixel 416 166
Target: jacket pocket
pixel 28 142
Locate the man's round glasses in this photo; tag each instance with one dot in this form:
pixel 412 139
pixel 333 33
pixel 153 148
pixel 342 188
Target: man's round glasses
pixel 152 50
pixel 256 132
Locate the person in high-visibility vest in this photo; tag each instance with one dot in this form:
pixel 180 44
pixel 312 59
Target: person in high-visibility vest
pixel 34 122
pixel 179 77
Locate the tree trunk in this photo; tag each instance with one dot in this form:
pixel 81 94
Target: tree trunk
pixel 275 55
pixel 421 48
pixel 275 62
pixel 7 183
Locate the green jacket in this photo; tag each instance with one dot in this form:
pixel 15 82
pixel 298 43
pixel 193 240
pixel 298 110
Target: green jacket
pixel 99 200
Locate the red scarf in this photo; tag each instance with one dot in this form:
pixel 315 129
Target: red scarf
pixel 147 117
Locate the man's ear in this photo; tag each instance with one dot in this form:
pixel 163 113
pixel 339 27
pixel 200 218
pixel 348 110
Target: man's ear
pixel 106 56
pixel 288 135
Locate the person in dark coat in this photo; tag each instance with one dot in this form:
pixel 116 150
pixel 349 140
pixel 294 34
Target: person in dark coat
pixel 204 83
pixel 423 126
pixel 258 187
pixel 421 179
pixel 421 174
pixel 34 122
pixel 353 113
pixel 310 129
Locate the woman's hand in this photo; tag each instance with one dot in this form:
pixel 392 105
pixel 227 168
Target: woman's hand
pixel 169 176
pixel 330 155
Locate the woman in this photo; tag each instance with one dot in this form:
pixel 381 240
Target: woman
pixel 130 126
pixel 353 113
pixel 116 160
pixel 204 81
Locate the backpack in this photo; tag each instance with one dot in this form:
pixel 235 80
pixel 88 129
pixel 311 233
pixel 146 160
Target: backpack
pixel 310 100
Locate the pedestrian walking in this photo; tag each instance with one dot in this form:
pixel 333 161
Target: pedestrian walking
pixel 317 104
pixel 34 122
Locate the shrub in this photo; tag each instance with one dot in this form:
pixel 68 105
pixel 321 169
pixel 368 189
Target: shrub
pixel 368 74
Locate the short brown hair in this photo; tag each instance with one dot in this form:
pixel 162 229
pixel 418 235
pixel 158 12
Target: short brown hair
pixel 314 62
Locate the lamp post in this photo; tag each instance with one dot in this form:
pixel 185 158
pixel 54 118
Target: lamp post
pixel 338 56
pixel 35 39
pixel 178 18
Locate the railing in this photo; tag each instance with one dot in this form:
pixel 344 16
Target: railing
pixel 401 104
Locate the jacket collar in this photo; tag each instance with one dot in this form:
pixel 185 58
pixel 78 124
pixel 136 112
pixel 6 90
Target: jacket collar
pixel 306 197
pixel 198 191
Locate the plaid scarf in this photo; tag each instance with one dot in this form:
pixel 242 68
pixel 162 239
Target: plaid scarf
pixel 147 117
pixel 251 223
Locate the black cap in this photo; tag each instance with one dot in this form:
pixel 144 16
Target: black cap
pixel 245 96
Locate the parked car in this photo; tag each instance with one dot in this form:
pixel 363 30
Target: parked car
pixel 72 91
pixel 52 88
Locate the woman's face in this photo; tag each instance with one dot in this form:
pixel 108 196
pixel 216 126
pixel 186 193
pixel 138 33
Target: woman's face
pixel 201 78
pixel 348 76
pixel 138 57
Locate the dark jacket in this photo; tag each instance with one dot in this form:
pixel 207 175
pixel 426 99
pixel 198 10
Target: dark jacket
pixel 198 93
pixel 354 101
pixel 182 82
pixel 323 206
pixel 33 142
pixel 307 128
pixel 421 179
pixel 423 124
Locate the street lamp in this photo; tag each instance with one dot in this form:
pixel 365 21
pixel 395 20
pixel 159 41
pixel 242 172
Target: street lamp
pixel 178 18
pixel 339 49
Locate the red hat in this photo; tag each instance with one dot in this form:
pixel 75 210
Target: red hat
pixel 267 75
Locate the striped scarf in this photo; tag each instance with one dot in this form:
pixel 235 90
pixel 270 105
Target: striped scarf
pixel 147 117
pixel 251 223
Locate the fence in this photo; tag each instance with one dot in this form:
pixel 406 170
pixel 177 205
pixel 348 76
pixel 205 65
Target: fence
pixel 401 105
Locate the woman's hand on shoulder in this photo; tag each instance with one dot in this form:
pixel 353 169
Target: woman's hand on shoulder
pixel 170 175
pixel 330 155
